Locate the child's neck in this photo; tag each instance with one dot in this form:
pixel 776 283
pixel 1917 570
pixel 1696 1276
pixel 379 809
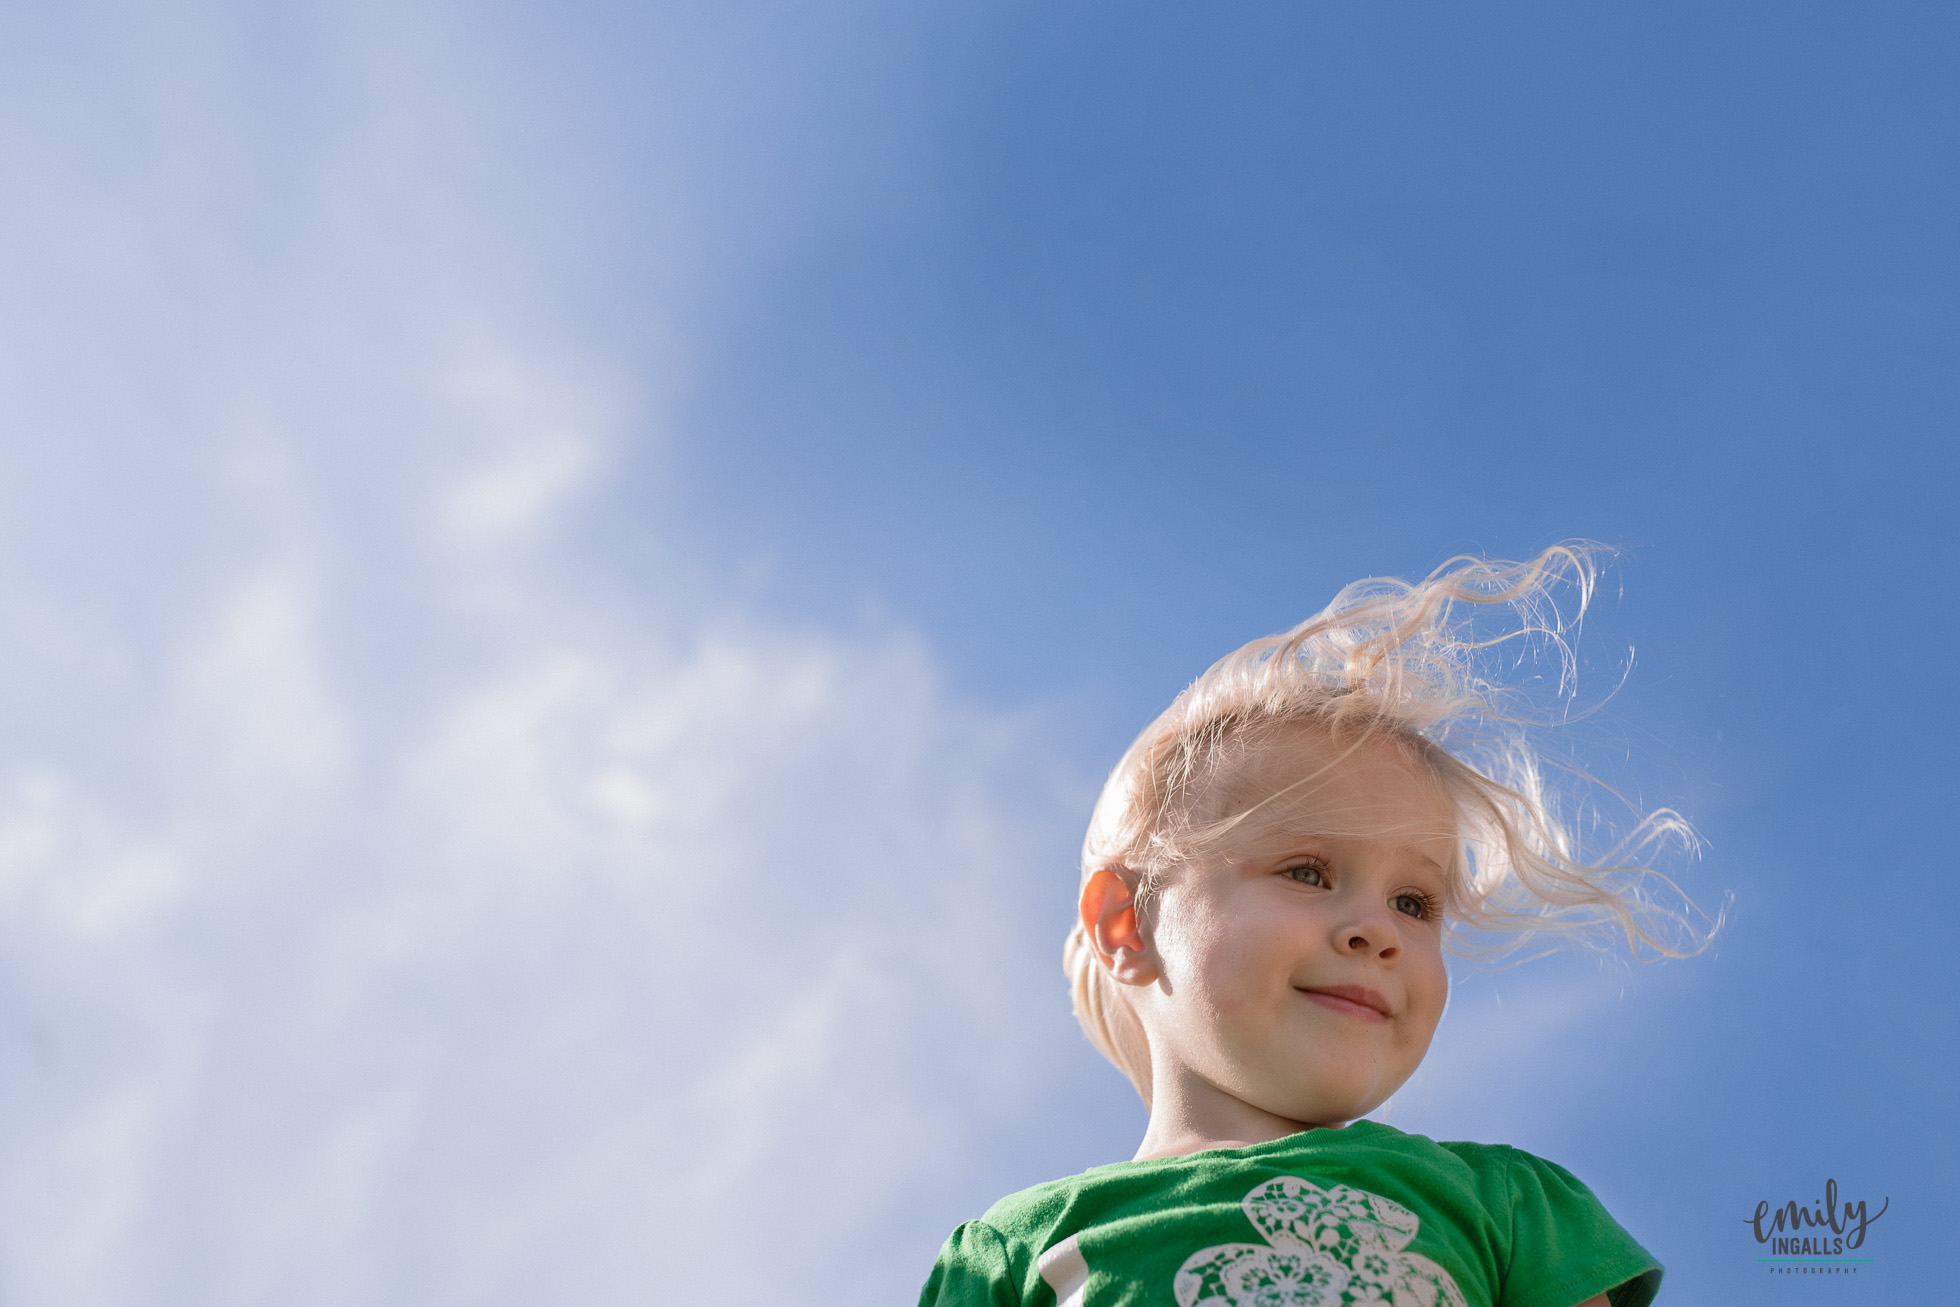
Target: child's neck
pixel 1189 1115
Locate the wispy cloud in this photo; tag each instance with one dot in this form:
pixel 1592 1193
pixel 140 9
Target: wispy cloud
pixel 530 979
pixel 428 916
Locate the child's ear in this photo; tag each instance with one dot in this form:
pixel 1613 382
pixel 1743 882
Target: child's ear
pixel 1109 917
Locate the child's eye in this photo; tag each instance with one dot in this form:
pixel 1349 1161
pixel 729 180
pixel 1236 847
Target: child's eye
pixel 1307 873
pixel 1414 903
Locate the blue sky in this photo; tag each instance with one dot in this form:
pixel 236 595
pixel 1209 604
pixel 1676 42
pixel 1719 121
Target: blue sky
pixel 573 572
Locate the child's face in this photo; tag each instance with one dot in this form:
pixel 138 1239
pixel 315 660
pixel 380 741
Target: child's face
pixel 1302 973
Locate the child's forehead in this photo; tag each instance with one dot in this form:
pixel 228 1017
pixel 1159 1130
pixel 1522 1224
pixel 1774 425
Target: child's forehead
pixel 1300 779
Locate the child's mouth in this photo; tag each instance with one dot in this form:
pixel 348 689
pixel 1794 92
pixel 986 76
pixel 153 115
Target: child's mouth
pixel 1353 1000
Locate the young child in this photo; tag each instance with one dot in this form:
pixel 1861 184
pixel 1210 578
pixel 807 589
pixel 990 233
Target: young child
pixel 1268 883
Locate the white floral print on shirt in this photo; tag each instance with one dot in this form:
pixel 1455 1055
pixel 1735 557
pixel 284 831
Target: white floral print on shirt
pixel 1338 1247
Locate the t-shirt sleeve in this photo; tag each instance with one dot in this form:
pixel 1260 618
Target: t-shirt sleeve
pixel 973 1270
pixel 1565 1248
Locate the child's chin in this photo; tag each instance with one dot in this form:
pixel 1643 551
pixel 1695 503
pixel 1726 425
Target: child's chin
pixel 1326 1109
pixel 1335 1102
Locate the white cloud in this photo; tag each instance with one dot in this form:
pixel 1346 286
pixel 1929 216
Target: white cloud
pixel 539 434
pixel 393 908
pixel 252 696
pixel 539 993
pixel 515 492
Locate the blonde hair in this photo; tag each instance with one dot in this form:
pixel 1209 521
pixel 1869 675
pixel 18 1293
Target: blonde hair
pixel 1392 661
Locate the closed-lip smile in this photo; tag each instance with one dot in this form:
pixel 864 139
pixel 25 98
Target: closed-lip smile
pixel 1355 1000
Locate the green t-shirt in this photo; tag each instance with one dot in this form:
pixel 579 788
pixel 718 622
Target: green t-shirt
pixel 1324 1218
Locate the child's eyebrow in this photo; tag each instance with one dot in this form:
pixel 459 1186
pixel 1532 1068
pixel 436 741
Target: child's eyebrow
pixel 1301 834
pixel 1439 868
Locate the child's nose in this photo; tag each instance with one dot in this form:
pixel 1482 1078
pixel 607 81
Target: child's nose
pixel 1369 937
pixel 1362 944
